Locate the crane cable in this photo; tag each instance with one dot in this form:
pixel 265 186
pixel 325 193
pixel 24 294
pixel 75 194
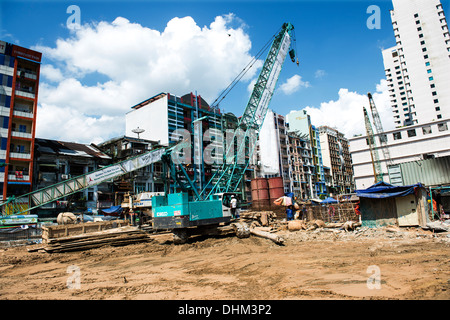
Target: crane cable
pixel 227 90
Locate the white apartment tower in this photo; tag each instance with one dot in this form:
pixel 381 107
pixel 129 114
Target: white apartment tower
pixel 418 67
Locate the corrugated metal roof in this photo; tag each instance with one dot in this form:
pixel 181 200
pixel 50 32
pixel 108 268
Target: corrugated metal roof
pixel 430 172
pixel 68 148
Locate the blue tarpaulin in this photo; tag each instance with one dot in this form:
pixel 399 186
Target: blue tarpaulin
pixel 114 210
pixel 382 190
pixel 329 200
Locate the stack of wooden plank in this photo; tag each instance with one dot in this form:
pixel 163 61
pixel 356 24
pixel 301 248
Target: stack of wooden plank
pixel 111 237
pixel 65 230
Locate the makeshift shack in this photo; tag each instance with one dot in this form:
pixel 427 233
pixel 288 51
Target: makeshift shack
pixel 385 204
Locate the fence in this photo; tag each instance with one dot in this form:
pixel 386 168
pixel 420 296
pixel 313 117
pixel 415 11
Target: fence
pixel 339 212
pixel 30 233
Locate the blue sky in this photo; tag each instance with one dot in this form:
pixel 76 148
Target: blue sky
pixel 336 49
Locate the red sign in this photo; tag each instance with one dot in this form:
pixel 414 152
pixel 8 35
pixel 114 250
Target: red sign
pixel 26 53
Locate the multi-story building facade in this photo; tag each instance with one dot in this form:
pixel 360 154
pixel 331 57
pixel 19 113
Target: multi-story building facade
pixel 147 179
pixel 56 161
pixel 288 154
pixel 19 82
pixel 166 118
pixel 302 167
pixel 300 124
pixel 273 150
pixel 336 158
pixel 406 144
pixel 418 67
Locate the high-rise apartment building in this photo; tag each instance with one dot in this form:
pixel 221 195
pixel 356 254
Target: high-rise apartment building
pixel 418 67
pixel 300 124
pixel 336 156
pixel 19 82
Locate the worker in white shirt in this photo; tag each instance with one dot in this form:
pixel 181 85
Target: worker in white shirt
pixel 233 204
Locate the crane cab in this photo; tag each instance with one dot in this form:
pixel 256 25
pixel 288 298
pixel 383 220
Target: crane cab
pixel 176 210
pixel 225 197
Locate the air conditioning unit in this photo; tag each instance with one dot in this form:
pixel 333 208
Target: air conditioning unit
pixel 64 176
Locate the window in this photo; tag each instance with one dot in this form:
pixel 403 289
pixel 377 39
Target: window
pixel 421 35
pixel 431 78
pixel 436 100
pixel 438 108
pixel 416 15
pixel 432 86
pixel 424 49
pixel 427 64
pixel 397 135
pixel 434 93
pixel 429 71
pixel 371 140
pixel 4 143
pixel 411 133
pixel 394 54
pixel 417 21
pixel 425 56
pixel 419 29
pixel 426 130
pixel 442 126
pixel 422 42
pixel 439 116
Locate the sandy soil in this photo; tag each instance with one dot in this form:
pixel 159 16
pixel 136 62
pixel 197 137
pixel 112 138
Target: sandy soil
pixel 309 266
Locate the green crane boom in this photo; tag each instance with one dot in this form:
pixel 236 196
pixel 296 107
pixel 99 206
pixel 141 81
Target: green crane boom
pixel 239 150
pixel 378 174
pixel 379 128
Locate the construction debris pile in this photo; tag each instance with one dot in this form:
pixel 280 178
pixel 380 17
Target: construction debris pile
pixel 281 231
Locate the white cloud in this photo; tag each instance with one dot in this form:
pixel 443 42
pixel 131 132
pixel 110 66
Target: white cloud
pixel 51 73
pixel 135 63
pixel 346 113
pixel 319 74
pixel 293 84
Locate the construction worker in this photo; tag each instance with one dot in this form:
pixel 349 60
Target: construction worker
pixel 233 205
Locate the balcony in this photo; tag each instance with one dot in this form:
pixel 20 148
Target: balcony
pixel 23 114
pixel 27 73
pixel 20 155
pixel 26 94
pixel 18 134
pixel 18 176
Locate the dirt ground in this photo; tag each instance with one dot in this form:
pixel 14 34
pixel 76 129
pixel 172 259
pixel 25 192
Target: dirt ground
pixel 310 265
